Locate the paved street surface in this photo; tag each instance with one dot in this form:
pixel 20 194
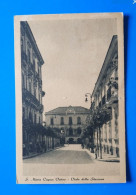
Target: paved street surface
pixel 70 154
pixel 68 161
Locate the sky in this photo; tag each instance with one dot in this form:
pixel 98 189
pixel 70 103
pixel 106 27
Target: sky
pixel 73 53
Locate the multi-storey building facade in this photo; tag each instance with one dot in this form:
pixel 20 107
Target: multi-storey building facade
pixel 31 65
pixel 70 120
pixel 105 96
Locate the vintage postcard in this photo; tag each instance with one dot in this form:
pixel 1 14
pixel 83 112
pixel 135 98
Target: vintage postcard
pixel 70 118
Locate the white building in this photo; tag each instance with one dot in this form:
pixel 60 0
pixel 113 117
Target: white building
pixel 105 96
pixel 70 120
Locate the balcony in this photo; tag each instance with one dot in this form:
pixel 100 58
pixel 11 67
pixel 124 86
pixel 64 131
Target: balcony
pixel 40 82
pixel 27 95
pixel 112 95
pixel 31 99
pixel 36 75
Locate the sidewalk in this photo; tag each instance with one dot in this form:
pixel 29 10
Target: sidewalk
pixel 109 158
pixel 37 154
pixel 105 157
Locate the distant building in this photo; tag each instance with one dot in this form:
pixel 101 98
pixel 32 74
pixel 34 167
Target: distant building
pixel 105 95
pixel 70 120
pixel 31 67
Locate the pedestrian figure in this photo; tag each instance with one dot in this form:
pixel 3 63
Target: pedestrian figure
pixel 95 152
pixel 82 145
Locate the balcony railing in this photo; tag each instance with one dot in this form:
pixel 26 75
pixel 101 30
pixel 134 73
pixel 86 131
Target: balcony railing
pixel 27 96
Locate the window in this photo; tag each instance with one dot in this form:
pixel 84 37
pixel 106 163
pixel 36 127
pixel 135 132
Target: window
pixel 52 121
pixel 34 118
pixel 34 65
pixel 70 131
pixel 62 121
pixel 70 120
pixel 28 56
pixel 30 86
pixel 78 120
pixel 23 113
pixel 39 71
pixel 79 131
pixel 39 98
pixel 35 91
pixel 30 116
pixel 103 100
pixel 23 81
pixel 22 43
pixel 109 93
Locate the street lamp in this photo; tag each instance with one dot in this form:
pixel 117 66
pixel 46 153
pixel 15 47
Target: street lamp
pixel 44 123
pixel 86 97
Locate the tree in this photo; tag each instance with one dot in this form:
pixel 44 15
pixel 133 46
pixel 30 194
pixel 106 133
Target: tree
pixel 100 117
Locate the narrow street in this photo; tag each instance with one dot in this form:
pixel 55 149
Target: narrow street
pixel 68 161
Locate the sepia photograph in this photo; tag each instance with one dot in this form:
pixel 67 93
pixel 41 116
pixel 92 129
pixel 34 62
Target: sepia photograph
pixel 70 114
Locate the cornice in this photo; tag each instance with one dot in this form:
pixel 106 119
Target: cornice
pixel 29 33
pixel 113 48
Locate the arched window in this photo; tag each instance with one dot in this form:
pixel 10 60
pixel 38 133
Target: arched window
pixel 62 121
pixel 78 120
pixel 70 120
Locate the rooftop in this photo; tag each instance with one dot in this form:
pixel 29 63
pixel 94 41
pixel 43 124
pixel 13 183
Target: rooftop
pixel 68 110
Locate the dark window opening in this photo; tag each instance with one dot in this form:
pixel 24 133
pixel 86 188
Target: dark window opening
pixel 62 121
pixel 109 93
pixel 70 120
pixel 78 120
pixel 52 122
pixel 23 81
pixel 30 116
pixel 79 131
pixel 35 118
pixel 29 86
pixel 34 65
pixel 34 91
pixel 23 113
pixel 70 132
pixel 28 56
